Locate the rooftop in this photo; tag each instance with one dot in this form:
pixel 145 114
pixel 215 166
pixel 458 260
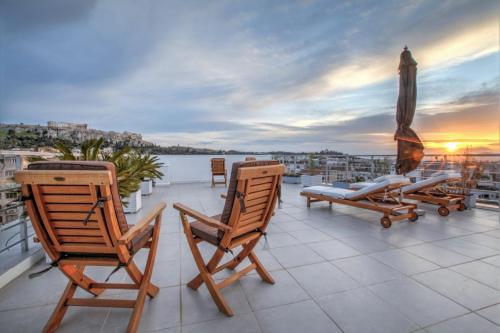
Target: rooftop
pixel 336 270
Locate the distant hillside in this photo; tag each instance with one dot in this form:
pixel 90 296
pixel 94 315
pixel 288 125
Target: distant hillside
pixel 22 136
pixel 36 136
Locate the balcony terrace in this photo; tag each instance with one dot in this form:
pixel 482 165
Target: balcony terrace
pixel 336 270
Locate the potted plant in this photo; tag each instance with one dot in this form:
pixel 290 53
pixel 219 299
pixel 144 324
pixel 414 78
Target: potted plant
pixel 131 168
pixel 291 178
pixel 146 186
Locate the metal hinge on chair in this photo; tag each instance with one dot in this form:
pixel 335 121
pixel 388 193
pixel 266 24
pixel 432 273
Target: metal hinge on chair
pixel 117 268
pixel 279 196
pixel 225 249
pixel 266 243
pixel 26 198
pixel 99 203
pixel 241 198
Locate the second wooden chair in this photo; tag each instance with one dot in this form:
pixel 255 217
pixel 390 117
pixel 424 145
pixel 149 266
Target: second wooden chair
pixel 250 202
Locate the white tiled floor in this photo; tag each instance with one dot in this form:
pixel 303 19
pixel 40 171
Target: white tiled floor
pixel 336 270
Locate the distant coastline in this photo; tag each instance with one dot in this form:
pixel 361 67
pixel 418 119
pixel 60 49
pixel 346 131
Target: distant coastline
pixel 43 138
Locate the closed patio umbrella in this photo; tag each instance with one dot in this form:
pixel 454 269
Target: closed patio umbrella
pixel 410 148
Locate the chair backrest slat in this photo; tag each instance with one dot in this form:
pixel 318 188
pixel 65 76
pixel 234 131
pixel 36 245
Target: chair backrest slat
pixel 218 166
pixel 99 216
pixel 257 189
pixel 61 202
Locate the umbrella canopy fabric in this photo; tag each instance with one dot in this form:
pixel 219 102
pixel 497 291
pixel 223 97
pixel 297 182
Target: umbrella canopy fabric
pixel 410 148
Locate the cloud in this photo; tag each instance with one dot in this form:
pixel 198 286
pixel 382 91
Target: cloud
pixel 282 71
pixel 17 17
pixel 476 124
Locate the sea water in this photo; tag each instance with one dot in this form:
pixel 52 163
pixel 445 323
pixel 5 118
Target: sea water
pixel 194 168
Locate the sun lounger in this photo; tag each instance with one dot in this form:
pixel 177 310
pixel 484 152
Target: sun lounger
pixel 379 197
pixel 430 191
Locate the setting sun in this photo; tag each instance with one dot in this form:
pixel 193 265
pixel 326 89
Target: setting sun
pixel 451 146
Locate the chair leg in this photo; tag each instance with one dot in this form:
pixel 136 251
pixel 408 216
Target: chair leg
pixel 60 310
pixel 263 273
pixel 206 276
pixel 145 288
pixel 216 294
pixel 247 249
pixel 78 279
pixel 75 274
pixel 248 252
pixel 197 281
pixel 136 276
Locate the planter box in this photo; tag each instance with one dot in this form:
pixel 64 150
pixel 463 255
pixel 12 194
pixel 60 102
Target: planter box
pixel 147 187
pixel 291 179
pixel 308 180
pixel 134 202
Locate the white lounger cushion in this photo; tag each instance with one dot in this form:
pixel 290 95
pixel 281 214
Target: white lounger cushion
pixel 359 185
pixel 342 193
pixel 450 174
pixel 435 179
pixel 392 178
pixel 334 192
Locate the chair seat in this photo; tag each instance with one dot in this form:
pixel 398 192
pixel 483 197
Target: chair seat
pixel 205 232
pixel 140 240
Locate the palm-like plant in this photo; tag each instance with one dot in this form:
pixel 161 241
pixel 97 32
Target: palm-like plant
pixel 131 167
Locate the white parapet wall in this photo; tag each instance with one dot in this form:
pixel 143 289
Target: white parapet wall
pixel 25 264
pixel 308 180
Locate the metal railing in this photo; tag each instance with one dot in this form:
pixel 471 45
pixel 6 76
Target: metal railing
pixel 480 172
pixel 15 229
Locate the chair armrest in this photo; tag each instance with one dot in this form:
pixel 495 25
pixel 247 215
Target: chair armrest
pixel 142 224
pixel 201 217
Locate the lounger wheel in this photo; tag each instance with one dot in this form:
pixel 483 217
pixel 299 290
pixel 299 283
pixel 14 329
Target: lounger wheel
pixel 413 217
pixel 443 211
pixel 461 207
pixel 386 222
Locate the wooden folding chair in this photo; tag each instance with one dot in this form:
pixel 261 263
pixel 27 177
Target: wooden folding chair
pixel 78 218
pixel 218 166
pixel 250 202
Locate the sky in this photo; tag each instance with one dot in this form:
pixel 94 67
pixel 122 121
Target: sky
pixel 255 75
